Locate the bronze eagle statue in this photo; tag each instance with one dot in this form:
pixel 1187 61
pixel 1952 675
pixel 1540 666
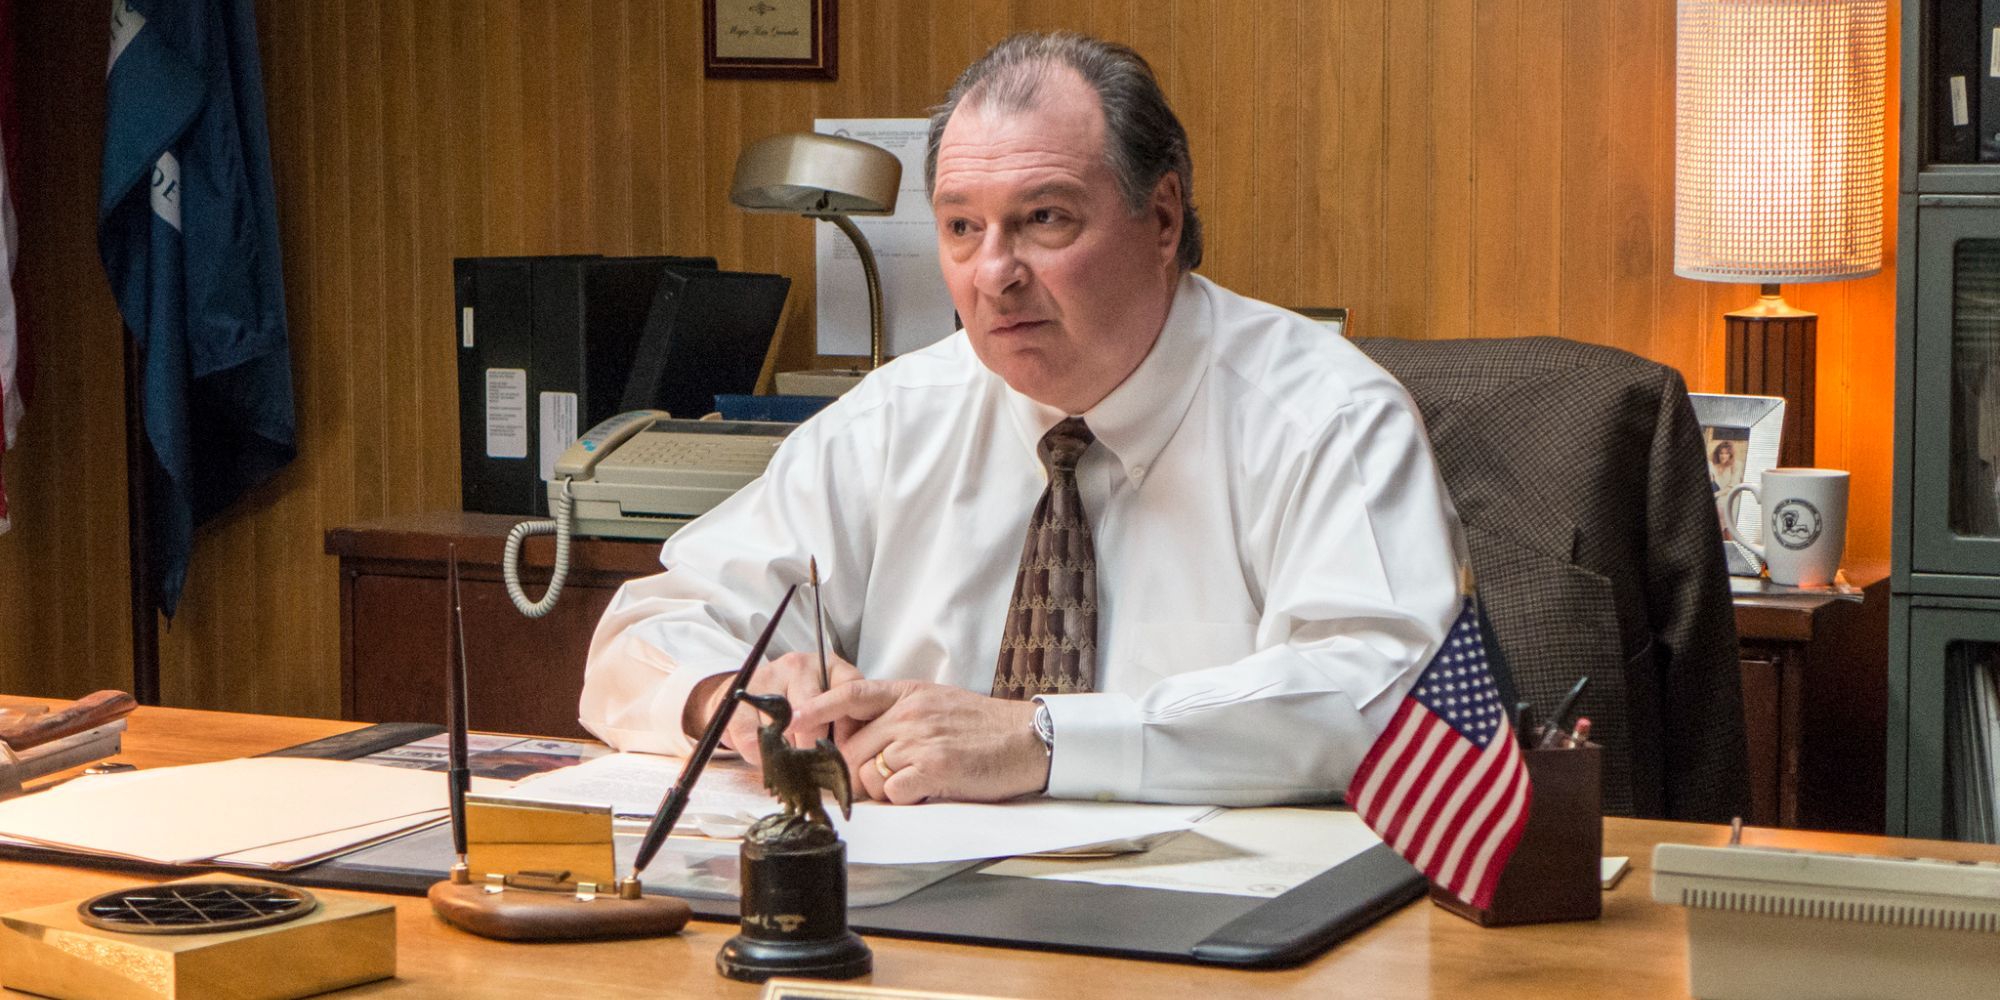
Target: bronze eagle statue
pixel 797 777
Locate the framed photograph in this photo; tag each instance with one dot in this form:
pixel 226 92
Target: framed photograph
pixel 1739 440
pixel 1332 317
pixel 770 39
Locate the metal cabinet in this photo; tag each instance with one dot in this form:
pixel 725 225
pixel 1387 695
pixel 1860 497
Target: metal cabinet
pixel 1955 450
pixel 1944 625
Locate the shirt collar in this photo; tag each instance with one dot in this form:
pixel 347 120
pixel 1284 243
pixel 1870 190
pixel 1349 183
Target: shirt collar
pixel 1138 418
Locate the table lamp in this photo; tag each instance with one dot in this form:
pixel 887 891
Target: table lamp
pixel 824 177
pixel 1778 174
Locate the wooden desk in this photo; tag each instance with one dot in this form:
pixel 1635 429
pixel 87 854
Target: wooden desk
pixel 1636 949
pixel 1815 682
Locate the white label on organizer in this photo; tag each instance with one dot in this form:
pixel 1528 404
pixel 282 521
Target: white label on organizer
pixel 558 428
pixel 1993 67
pixel 506 413
pixel 1961 109
pixel 465 327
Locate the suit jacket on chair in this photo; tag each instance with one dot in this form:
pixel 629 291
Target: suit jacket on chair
pixel 1578 473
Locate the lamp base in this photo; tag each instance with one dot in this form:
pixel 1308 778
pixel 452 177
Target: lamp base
pixel 1770 349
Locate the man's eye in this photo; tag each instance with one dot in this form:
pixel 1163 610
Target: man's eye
pixel 958 227
pixel 1042 216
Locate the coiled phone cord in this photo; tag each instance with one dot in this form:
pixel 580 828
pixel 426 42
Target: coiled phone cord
pixel 510 558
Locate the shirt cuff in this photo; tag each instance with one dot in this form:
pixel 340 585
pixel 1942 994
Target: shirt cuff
pixel 1098 750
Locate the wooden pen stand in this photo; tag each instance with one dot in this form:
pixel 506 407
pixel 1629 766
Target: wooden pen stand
pixel 1554 873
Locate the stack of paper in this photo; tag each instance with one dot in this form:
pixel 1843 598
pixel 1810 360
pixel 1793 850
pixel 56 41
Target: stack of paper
pixel 1238 852
pixel 730 796
pixel 260 812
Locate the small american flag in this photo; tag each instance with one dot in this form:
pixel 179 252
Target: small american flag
pixel 1445 784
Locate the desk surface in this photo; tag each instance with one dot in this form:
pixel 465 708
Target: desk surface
pixel 1637 949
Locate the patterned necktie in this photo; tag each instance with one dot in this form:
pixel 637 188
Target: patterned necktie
pixel 1050 643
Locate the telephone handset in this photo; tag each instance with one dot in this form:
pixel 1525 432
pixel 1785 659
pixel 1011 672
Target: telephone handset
pixel 585 452
pixel 576 462
pixel 640 474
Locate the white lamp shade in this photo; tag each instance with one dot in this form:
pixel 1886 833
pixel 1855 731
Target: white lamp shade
pixel 1779 139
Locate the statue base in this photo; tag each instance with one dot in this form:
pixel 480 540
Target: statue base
pixel 794 917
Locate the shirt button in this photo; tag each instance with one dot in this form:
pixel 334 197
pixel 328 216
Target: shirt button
pixel 1138 472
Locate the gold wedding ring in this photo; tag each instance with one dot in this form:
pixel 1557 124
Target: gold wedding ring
pixel 882 766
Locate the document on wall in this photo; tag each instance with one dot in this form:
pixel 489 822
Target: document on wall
pixel 260 812
pixel 916 308
pixel 730 796
pixel 1238 852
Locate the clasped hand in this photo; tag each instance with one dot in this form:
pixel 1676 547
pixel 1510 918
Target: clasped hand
pixel 936 741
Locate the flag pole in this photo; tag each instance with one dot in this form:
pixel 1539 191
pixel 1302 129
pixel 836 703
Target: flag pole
pixel 145 597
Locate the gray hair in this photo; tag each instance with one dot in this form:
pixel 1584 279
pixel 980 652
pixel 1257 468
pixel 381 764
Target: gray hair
pixel 1144 141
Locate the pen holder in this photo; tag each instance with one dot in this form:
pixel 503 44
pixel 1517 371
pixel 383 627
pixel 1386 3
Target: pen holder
pixel 1554 873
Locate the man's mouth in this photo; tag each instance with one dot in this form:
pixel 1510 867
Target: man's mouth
pixel 1018 326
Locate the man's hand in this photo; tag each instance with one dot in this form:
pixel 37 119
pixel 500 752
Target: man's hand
pixel 794 675
pixel 938 741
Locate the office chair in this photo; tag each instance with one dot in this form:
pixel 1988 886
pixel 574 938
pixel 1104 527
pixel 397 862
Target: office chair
pixel 1577 472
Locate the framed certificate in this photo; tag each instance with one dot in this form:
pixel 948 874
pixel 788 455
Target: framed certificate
pixel 770 39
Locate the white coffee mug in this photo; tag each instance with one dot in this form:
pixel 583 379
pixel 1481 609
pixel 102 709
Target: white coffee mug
pixel 1805 523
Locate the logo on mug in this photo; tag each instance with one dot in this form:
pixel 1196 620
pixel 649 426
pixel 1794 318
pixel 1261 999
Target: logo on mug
pixel 1796 523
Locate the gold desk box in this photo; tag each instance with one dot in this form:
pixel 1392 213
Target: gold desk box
pixel 346 941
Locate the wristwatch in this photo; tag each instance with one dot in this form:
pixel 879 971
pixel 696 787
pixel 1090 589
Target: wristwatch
pixel 1045 728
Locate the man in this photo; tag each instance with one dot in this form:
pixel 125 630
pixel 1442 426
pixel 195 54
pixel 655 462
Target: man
pixel 1265 554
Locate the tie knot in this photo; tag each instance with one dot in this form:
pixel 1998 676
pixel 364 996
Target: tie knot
pixel 1064 444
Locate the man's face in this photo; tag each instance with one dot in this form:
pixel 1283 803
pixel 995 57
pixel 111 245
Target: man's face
pixel 1062 288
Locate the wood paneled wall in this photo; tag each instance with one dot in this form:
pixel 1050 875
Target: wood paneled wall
pixel 1445 168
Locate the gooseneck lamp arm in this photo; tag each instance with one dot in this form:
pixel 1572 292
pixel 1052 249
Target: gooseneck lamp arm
pixel 867 254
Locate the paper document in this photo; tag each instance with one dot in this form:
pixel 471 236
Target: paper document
pixel 730 796
pixel 271 812
pixel 916 305
pixel 1238 852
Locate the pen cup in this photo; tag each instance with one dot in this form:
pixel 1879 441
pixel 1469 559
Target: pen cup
pixel 1554 873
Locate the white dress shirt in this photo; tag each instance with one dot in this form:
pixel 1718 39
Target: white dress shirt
pixel 1275 557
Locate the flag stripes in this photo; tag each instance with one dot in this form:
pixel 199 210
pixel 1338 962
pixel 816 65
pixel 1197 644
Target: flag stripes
pixel 1445 784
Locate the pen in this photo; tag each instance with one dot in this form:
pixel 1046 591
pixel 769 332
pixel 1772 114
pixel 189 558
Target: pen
pixel 676 798
pixel 458 776
pixel 819 629
pixel 1560 720
pixel 1524 724
pixel 1581 735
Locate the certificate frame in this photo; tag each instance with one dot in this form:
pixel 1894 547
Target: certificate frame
pixel 746 39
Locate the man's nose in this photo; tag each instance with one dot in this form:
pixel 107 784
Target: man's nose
pixel 998 270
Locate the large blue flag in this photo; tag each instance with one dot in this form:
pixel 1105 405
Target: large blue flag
pixel 187 226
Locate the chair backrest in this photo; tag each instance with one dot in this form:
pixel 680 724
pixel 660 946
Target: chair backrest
pixel 1578 474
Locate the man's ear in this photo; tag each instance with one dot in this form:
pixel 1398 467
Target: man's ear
pixel 1165 211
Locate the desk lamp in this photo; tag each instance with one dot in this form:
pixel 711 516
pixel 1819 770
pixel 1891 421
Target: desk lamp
pixel 829 178
pixel 1778 174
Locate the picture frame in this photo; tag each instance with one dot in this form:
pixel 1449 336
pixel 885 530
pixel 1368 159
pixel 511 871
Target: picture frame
pixel 1332 317
pixel 1739 438
pixel 770 39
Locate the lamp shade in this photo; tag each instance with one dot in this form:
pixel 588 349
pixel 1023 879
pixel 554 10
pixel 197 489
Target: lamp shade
pixel 1779 139
pixel 806 173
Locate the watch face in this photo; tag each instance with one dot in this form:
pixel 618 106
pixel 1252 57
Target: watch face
pixel 1045 727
